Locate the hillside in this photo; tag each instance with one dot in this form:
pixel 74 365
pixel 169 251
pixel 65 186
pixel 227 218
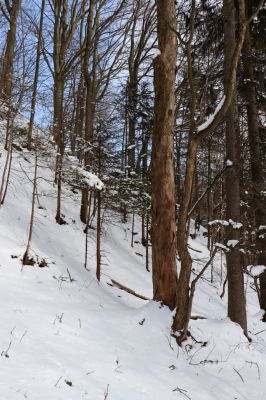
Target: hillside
pixel 64 336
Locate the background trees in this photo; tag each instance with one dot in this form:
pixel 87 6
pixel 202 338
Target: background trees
pixel 178 141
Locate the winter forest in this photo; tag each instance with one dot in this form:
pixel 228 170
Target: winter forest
pixel 133 199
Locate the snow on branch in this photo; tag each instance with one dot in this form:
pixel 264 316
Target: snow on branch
pixel 89 178
pixel 256 270
pixel 210 119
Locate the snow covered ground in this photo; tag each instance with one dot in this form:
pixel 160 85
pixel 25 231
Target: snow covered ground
pixel 73 340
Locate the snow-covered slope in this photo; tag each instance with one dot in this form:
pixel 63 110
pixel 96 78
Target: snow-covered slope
pixel 76 339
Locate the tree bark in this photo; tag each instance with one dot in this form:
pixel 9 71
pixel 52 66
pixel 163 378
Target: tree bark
pixel 182 296
pixel 89 77
pixel 236 296
pixel 256 163
pixel 27 260
pixel 36 76
pixel 7 62
pixel 163 229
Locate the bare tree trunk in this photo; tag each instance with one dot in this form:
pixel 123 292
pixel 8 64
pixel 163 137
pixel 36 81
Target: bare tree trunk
pixel 163 228
pixel 60 142
pixel 64 26
pixel 7 62
pixel 98 238
pixel 147 242
pixel 79 120
pixel 257 164
pixel 26 260
pixel 8 171
pixel 182 297
pixel 236 296
pixel 89 78
pixel 139 38
pixel 99 219
pixel 209 194
pixel 132 228
pixel 132 104
pixel 86 236
pixel 36 77
pixel 8 161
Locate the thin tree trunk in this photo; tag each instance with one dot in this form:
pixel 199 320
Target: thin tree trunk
pixel 59 138
pixel 236 295
pixel 36 77
pixel 99 220
pixel 147 242
pixel 132 228
pixel 132 105
pixel 8 161
pixel 98 238
pixel 26 258
pixel 182 297
pixel 89 78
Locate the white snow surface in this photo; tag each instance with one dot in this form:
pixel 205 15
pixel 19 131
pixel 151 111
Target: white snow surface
pixel 95 336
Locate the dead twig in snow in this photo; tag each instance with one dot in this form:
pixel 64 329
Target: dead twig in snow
pixel 238 373
pixel 106 392
pixel 182 391
pixel 70 277
pixel 5 352
pixel 59 318
pixel 169 342
pixel 224 285
pixel 256 364
pixel 58 381
pixel 24 334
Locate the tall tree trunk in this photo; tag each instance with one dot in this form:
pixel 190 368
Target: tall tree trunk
pixel 60 142
pixel 163 229
pixel 257 164
pixel 7 62
pixel 27 260
pixel 236 296
pixel 11 115
pixel 98 238
pixel 36 76
pixel 132 105
pixel 182 297
pixel 79 120
pixel 89 78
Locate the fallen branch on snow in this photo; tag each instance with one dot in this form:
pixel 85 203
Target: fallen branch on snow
pixel 128 290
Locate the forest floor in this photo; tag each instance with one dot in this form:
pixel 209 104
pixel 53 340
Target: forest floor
pixel 64 336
